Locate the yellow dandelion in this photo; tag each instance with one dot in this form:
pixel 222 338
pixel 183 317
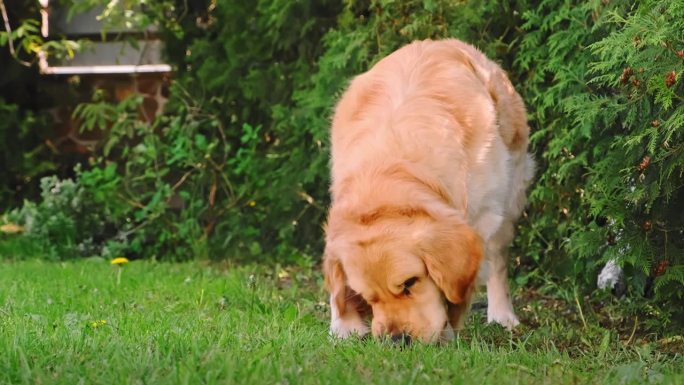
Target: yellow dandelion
pixel 96 324
pixel 252 203
pixel 282 274
pixel 119 261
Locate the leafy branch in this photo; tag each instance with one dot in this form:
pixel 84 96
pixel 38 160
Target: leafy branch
pixel 9 33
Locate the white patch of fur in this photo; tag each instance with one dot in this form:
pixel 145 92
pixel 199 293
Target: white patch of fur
pixel 503 316
pixel 610 275
pixel 348 325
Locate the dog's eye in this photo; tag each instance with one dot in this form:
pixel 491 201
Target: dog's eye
pixel 408 283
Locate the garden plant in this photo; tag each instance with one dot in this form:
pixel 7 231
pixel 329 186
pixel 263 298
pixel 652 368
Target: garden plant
pixel 218 203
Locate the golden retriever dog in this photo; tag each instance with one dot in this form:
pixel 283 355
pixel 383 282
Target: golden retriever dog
pixel 429 171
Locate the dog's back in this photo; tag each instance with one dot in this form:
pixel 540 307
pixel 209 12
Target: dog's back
pixel 437 106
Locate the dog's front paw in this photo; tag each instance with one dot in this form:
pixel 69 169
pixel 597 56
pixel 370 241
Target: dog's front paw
pixel 347 327
pixel 507 318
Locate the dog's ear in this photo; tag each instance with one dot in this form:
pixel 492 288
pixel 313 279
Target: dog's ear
pixel 335 279
pixel 452 255
pixel 345 299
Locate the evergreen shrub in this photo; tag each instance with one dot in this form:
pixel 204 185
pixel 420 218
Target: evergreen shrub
pixel 237 167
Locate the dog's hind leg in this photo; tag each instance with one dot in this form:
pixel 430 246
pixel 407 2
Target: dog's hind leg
pixel 499 306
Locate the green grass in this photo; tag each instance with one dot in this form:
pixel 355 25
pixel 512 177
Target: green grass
pixel 195 323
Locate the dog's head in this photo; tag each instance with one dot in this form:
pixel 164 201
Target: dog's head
pixel 415 269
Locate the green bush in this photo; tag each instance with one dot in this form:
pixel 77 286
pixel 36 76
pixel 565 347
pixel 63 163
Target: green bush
pixel 238 165
pixel 602 80
pixel 75 218
pixel 205 179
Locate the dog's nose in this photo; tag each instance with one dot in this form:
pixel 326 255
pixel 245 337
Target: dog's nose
pixel 401 338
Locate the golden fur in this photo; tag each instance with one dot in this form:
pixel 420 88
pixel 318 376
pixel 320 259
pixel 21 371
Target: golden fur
pixel 429 168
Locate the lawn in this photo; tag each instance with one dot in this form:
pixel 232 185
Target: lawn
pixel 192 323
